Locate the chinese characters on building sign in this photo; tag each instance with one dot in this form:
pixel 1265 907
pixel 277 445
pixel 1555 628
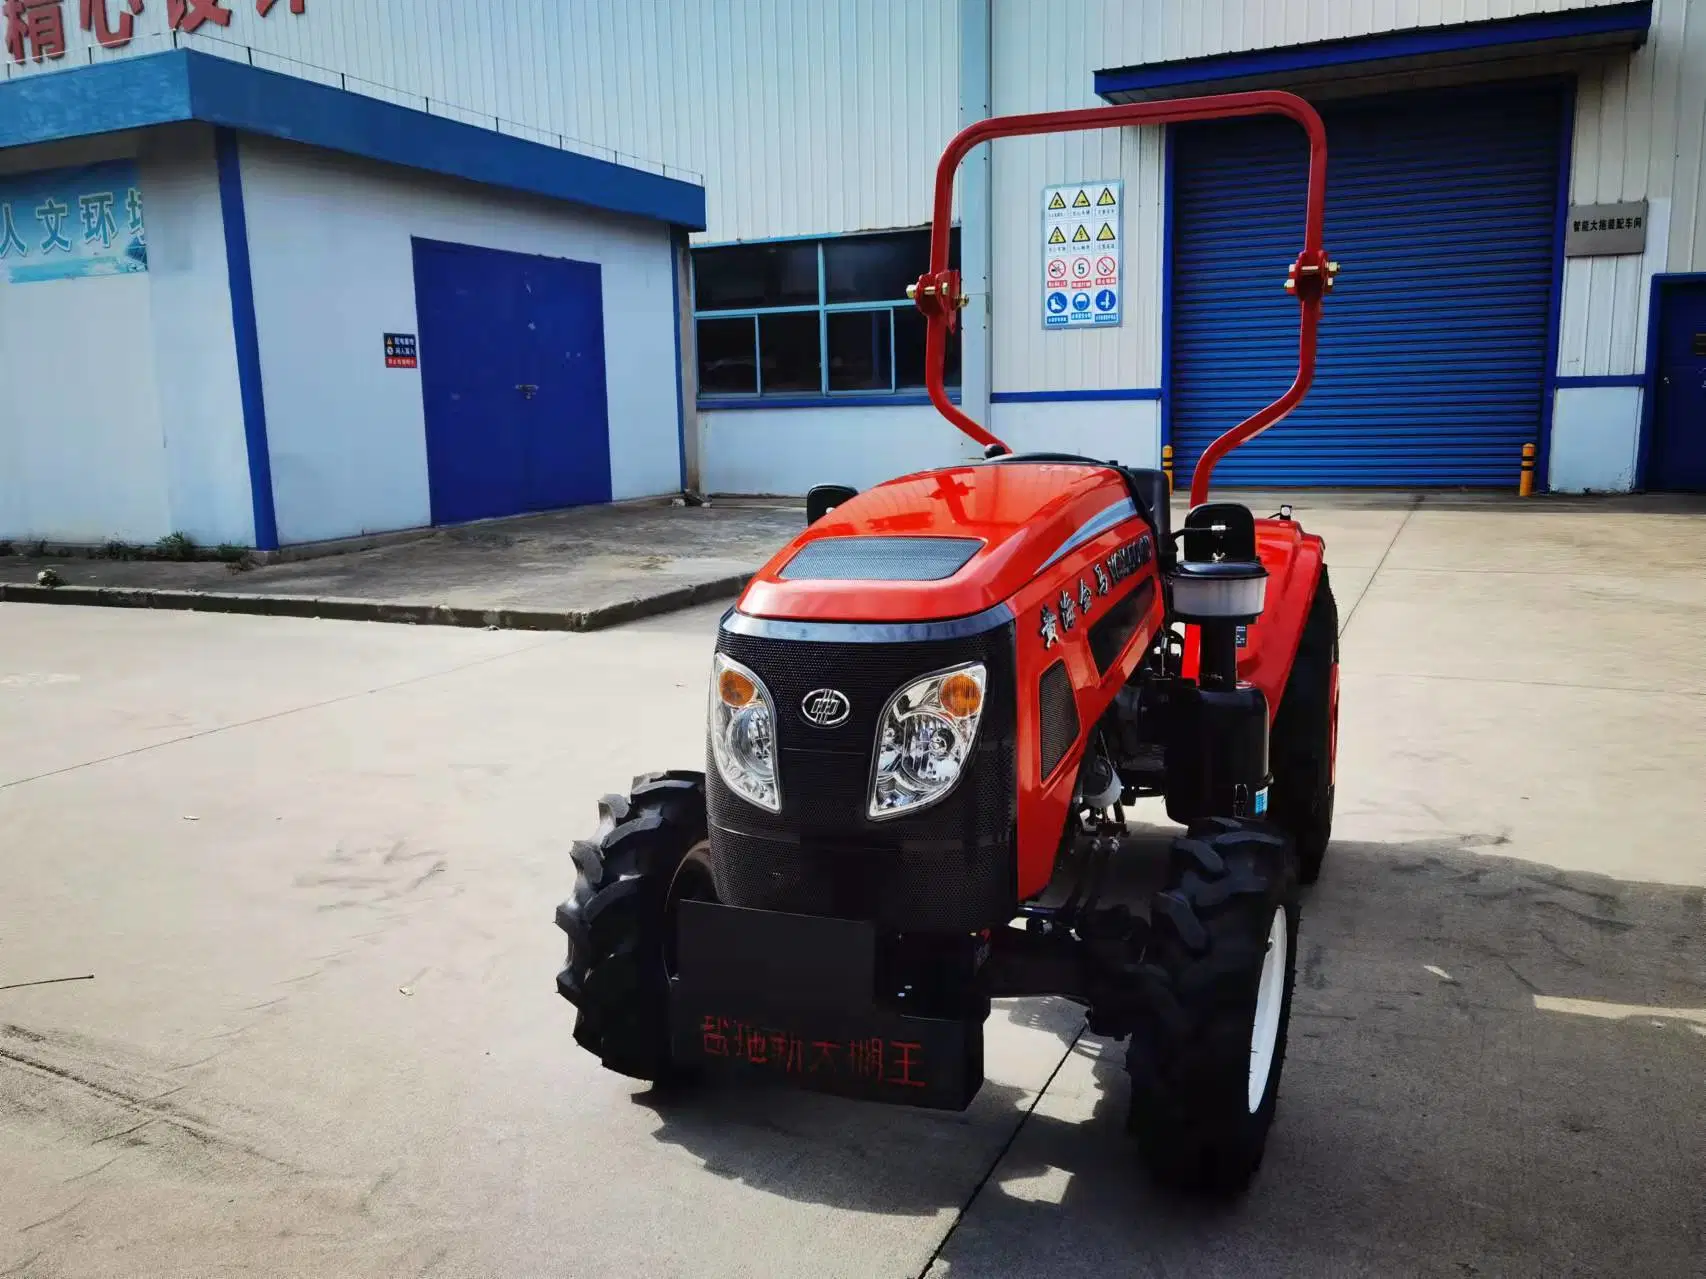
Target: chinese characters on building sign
pixel 1606 230
pixel 36 29
pixel 61 224
pixel 95 17
pixel 402 351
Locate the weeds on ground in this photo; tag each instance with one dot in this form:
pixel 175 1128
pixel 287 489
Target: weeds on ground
pixel 175 546
pixel 239 559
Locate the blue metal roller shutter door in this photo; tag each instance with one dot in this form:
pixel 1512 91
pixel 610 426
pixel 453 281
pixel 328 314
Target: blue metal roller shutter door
pixel 1443 209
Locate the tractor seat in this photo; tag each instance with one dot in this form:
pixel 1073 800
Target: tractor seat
pixel 1150 491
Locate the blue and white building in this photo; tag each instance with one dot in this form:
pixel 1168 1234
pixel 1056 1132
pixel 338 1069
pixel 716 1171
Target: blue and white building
pixel 632 246
pixel 265 308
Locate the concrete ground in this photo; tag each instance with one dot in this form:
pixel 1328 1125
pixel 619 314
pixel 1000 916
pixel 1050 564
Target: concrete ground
pixel 310 867
pixel 581 560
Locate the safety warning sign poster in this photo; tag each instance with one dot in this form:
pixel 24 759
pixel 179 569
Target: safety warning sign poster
pixel 1083 257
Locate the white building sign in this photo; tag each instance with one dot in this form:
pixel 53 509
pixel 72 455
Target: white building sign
pixel 1083 254
pixel 1606 230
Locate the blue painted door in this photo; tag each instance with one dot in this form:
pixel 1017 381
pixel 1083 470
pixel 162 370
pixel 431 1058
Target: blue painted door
pixel 512 379
pixel 1443 209
pixel 1679 443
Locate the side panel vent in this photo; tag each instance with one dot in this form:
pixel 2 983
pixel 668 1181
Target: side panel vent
pixel 1109 636
pixel 1059 715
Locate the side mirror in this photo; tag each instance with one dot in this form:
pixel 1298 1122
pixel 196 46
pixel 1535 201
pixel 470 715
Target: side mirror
pixel 824 498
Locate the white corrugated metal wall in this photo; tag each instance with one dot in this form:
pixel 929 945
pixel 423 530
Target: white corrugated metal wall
pixel 1639 134
pixel 814 118
pixel 808 117
pixel 1045 56
pixel 1044 62
pixel 1130 34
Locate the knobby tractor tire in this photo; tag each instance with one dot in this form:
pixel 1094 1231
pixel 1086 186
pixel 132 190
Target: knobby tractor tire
pixel 1190 1057
pixel 1300 749
pixel 647 853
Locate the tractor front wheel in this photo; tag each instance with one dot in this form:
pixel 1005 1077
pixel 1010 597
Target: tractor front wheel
pixel 1218 972
pixel 648 854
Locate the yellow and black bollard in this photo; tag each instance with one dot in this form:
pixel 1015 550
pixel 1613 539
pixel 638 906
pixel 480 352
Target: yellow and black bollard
pixel 1167 464
pixel 1525 486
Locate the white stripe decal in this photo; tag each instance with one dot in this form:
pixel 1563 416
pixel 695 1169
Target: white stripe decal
pixel 1121 511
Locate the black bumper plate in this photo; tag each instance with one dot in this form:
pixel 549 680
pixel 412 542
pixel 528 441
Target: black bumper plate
pixel 790 998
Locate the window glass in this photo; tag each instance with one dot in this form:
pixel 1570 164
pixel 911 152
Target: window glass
pixel 755 275
pixel 789 346
pixel 878 268
pixel 874 268
pixel 859 351
pixel 728 363
pixel 768 350
pixel 909 350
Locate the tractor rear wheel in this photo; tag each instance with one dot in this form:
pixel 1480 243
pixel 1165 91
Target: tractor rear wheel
pixel 1218 971
pixel 648 854
pixel 1300 750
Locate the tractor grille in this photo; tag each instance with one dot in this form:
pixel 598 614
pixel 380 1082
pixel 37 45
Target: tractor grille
pixel 948 868
pixel 1058 717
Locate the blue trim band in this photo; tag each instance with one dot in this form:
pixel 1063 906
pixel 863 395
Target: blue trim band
pixel 739 623
pixel 1620 23
pixel 877 399
pixel 1067 397
pixel 130 93
pixel 1099 523
pixel 1598 379
pixel 1555 292
pixel 760 241
pixel 246 337
pixel 169 88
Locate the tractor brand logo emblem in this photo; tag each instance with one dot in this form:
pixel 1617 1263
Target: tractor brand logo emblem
pixel 1102 583
pixel 825 707
pixel 1126 560
pixel 1084 597
pixel 1050 628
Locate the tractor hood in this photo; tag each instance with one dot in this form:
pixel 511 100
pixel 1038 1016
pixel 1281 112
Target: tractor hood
pixel 942 544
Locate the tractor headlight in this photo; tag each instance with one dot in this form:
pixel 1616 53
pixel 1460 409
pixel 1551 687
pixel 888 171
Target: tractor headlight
pixel 743 734
pixel 924 740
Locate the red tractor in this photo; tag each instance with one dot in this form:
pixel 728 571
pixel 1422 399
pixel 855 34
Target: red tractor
pixel 927 715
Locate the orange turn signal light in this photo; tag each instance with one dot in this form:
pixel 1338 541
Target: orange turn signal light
pixel 961 695
pixel 736 689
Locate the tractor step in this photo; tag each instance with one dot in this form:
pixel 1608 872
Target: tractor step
pixel 792 998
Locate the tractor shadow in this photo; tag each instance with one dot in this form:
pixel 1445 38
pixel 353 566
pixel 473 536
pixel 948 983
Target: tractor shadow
pixel 880 1159
pixel 1438 1113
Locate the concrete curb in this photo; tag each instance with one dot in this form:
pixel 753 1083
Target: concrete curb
pixel 355 610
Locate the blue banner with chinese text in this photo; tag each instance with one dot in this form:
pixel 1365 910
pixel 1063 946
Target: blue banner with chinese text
pixel 63 224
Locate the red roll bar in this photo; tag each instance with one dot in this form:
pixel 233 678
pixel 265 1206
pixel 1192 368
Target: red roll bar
pixel 937 292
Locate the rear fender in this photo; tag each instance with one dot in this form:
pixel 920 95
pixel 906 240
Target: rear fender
pixel 1293 559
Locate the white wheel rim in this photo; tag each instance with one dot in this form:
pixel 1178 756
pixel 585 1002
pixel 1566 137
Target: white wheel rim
pixel 1270 999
